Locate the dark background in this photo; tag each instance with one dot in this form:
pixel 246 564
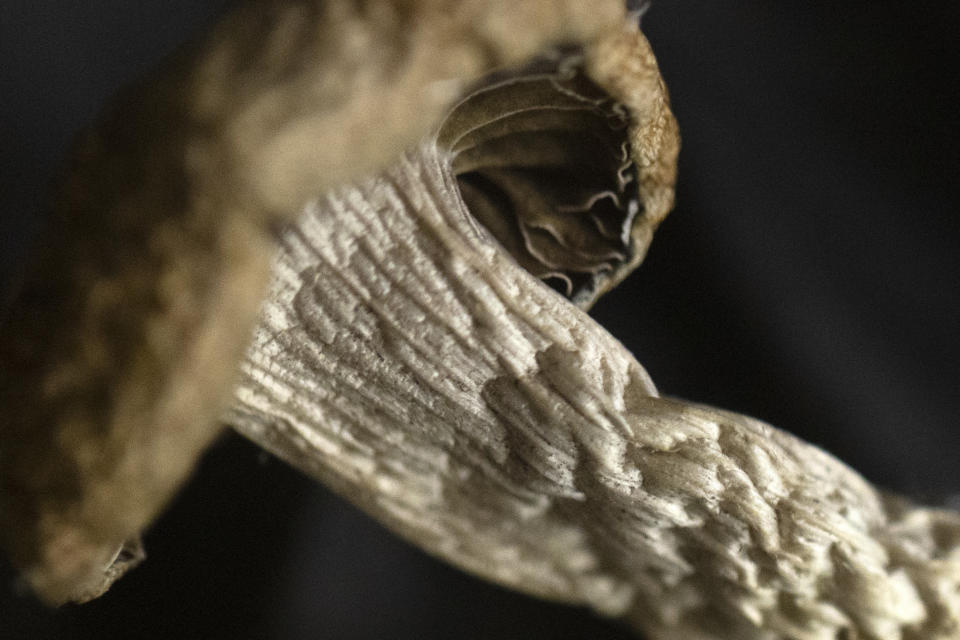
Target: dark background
pixel 808 276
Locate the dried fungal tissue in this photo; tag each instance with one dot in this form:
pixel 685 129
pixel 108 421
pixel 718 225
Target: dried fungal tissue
pixel 419 339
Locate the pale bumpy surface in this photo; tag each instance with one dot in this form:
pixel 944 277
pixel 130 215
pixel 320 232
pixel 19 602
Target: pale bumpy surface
pixel 406 361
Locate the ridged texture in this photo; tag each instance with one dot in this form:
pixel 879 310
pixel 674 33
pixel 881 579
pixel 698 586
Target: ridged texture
pixel 542 160
pixel 407 361
pixel 569 161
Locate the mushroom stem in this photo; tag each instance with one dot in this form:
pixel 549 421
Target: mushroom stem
pixel 403 356
pixel 406 360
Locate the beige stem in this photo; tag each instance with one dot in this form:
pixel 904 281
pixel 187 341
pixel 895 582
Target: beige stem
pixel 410 364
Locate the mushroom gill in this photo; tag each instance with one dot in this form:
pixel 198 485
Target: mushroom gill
pixel 542 159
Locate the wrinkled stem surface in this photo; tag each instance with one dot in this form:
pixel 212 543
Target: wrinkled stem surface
pixel 408 362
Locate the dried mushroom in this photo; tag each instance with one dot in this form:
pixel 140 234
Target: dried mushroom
pixel 409 353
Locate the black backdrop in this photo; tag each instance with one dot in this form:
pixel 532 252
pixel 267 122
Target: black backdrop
pixel 808 276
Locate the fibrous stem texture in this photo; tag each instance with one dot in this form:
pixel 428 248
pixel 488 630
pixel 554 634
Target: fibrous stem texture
pixel 406 360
